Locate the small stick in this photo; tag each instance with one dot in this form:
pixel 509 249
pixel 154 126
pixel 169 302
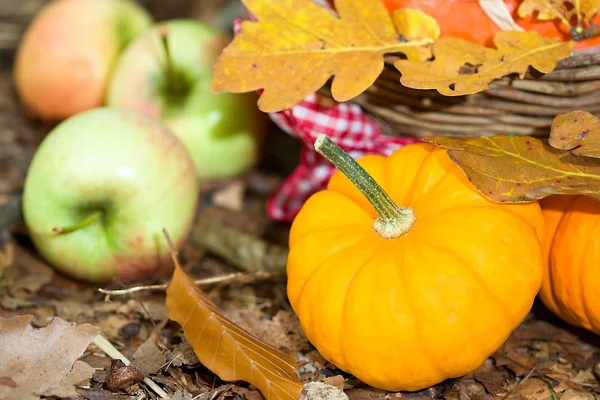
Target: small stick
pixel 236 276
pixel 114 353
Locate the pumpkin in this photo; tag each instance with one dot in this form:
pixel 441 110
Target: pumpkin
pixel 466 19
pixel 403 275
pixel 572 247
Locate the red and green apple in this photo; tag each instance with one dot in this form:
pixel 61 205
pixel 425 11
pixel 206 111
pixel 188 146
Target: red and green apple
pixel 99 191
pixel 67 53
pixel 166 73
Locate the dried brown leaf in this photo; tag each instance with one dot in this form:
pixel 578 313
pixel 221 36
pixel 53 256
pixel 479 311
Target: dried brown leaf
pixel 148 358
pixel 521 168
pixel 578 131
pixel 283 331
pixel 224 347
pixel 42 362
pixel 531 389
pixel 461 67
pixel 297 45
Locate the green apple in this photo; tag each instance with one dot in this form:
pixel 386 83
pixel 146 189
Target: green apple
pixel 166 73
pixel 67 53
pixel 99 191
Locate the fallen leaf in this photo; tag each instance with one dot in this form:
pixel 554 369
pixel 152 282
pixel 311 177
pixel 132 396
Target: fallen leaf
pixel 521 168
pixel 28 274
pixel 231 197
pixel 583 10
pixel 148 357
pixel 297 45
pixel 491 377
pixel 183 354
pixel 248 394
pixel 572 394
pixel 283 331
pixel 188 396
pixel 336 380
pixel 531 389
pixel 225 348
pixel 578 131
pixel 42 362
pixel 112 324
pixel 461 67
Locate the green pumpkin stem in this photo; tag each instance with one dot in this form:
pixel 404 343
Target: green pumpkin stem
pixel 90 219
pixel 393 220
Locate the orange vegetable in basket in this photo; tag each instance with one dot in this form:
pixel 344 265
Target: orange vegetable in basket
pixel 417 279
pixel 466 19
pixel 571 244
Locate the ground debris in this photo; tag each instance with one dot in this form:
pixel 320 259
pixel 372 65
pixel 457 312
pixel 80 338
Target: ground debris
pixel 122 376
pixel 148 358
pixel 283 331
pixel 44 361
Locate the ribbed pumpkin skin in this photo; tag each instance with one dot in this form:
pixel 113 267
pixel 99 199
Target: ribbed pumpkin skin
pixel 571 244
pixel 407 313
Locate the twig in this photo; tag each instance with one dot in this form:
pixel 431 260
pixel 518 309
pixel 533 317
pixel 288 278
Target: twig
pixel 112 352
pixel 236 276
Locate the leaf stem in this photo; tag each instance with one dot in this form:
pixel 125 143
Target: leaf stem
pixel 90 219
pixel 393 220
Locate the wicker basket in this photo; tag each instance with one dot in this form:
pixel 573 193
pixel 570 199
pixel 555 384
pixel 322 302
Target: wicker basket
pixel 511 106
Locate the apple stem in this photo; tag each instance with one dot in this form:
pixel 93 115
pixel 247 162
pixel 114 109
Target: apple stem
pixel 176 85
pixel 90 219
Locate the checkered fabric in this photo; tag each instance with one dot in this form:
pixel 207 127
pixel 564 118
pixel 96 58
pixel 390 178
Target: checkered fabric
pixel 345 123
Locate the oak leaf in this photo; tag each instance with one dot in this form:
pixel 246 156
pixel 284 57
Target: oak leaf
pixel 582 10
pixel 415 24
pixel 224 347
pixel 461 67
pixel 42 362
pixel 578 131
pixel 297 46
pixel 521 168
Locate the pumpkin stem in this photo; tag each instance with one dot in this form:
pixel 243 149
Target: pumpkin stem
pixel 393 220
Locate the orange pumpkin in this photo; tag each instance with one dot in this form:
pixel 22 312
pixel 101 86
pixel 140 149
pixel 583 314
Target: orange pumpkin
pixel 404 297
pixel 572 247
pixel 466 19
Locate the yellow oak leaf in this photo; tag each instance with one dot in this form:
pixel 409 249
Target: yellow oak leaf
pixel 296 46
pixel 415 24
pixel 583 10
pixel 461 67
pixel 518 169
pixel 578 131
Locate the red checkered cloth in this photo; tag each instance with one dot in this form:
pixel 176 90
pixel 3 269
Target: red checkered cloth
pixel 345 123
